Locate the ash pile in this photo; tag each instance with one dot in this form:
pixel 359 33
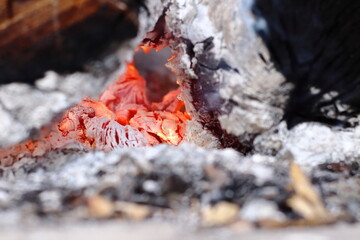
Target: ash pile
pixel 198 187
pixel 271 136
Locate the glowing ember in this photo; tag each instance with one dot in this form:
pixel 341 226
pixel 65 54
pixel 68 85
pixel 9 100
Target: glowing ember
pixel 162 122
pixel 94 126
pixel 121 117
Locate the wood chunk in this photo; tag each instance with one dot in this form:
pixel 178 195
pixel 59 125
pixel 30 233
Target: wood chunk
pixel 100 207
pixel 305 201
pixel 41 35
pixel 220 214
pixel 41 18
pixel 133 211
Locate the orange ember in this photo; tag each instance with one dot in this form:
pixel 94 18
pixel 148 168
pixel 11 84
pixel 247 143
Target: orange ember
pixel 121 117
pixel 145 49
pixel 162 122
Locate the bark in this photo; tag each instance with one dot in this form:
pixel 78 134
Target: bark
pixel 64 36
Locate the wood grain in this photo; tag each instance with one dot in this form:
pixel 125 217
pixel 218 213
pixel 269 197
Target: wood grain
pixel 60 35
pixel 34 20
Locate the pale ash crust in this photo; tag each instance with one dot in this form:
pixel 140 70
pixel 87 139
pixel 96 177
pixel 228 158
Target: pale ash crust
pixel 227 68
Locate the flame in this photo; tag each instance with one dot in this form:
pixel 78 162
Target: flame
pixel 122 116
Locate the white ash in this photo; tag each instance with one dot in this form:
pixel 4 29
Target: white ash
pixel 28 108
pixel 311 144
pixel 179 17
pixel 195 133
pixel 154 175
pixel 12 131
pixel 259 209
pixel 182 169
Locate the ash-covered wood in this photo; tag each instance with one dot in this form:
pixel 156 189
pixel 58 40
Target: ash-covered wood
pixel 229 84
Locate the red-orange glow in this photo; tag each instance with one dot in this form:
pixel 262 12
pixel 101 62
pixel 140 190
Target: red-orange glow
pixel 162 122
pixel 129 89
pixel 146 49
pixel 101 110
pixel 172 58
pixel 170 103
pixel 121 117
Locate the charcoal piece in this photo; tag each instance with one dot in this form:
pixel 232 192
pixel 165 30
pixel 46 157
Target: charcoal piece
pixel 315 45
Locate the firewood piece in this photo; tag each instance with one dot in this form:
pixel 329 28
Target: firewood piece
pixel 42 35
pixel 227 79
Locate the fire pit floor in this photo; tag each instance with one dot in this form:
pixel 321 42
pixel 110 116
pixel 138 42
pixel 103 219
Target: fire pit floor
pixel 188 184
pixel 145 230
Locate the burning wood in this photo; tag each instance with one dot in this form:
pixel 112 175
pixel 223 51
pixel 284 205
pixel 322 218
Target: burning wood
pixel 121 117
pixel 234 92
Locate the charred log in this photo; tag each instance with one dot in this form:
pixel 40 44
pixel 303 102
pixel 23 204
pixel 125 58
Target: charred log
pixel 315 45
pixel 228 82
pixel 206 97
pixel 63 36
pixel 236 86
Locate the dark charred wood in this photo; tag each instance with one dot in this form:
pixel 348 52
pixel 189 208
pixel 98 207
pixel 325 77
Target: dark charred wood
pixel 315 45
pixel 206 96
pixel 63 36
